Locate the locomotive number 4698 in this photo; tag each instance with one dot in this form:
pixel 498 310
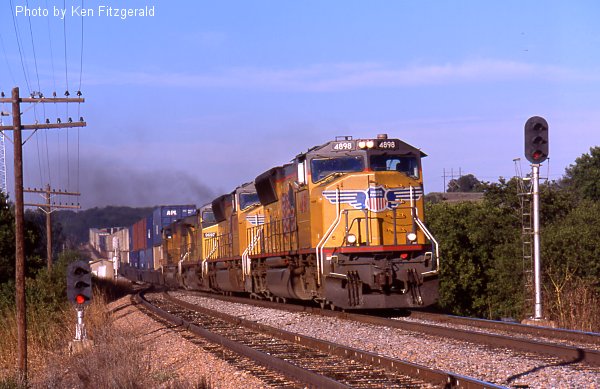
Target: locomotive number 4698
pixel 387 144
pixel 343 146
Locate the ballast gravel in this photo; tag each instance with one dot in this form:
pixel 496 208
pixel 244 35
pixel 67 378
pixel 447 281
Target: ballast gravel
pixel 499 366
pixel 171 353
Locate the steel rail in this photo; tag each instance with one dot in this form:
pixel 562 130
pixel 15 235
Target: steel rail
pixel 434 376
pixel 568 354
pixel 572 335
pixel 302 375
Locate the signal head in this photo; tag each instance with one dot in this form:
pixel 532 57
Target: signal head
pixel 536 139
pixel 79 283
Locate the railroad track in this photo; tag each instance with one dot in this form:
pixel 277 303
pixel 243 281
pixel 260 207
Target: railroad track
pixel 553 334
pixel 300 360
pixel 564 345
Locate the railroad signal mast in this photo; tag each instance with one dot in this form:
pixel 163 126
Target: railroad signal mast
pixel 536 152
pixel 79 292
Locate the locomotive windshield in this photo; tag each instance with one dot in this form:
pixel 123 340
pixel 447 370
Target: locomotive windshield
pixel 324 167
pixel 208 218
pixel 400 163
pixel 248 199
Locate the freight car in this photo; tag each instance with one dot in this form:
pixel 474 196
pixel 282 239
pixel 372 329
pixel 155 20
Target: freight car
pixel 341 225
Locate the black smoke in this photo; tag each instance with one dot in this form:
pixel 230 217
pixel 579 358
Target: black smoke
pixel 104 183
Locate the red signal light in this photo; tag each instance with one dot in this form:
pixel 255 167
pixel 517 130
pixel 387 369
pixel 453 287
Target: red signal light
pixel 80 299
pixel 404 255
pixel 536 139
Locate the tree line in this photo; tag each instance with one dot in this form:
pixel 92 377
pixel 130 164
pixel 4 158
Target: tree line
pixel 482 251
pixel 69 230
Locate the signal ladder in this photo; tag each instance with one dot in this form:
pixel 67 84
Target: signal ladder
pixel 525 192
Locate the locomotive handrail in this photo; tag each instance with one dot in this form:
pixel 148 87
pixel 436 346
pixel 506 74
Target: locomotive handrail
pixel 246 267
pixel 180 261
pixel 204 267
pixel 429 235
pixel 432 239
pixel 325 238
pixel 393 222
pixel 215 246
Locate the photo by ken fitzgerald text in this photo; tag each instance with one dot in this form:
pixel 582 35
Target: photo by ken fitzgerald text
pixel 80 11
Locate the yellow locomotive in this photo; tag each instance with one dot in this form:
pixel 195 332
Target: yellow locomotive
pixel 342 225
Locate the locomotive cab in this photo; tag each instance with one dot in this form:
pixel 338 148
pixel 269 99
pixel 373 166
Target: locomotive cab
pixel 361 209
pixel 231 239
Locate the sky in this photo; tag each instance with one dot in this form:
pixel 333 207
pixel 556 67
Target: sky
pixel 197 97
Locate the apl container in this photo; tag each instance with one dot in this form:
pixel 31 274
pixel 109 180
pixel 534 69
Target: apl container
pixel 165 215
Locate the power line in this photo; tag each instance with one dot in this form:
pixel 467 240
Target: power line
pixel 34 55
pixel 6 59
pixel 80 58
pixel 66 65
pixel 51 50
pixel 23 65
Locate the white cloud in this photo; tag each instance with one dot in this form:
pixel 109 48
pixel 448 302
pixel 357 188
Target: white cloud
pixel 346 76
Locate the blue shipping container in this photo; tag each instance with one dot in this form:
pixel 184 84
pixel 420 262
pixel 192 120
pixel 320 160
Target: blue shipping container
pixel 149 258
pixel 130 238
pixel 134 259
pixel 149 232
pixel 142 262
pixel 165 215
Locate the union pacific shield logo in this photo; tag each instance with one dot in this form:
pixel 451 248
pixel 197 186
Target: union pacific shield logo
pixel 256 219
pixel 375 199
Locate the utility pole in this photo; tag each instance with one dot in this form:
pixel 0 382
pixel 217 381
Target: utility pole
pixel 17 128
pixel 47 208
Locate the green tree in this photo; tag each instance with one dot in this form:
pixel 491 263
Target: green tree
pixel 475 263
pixel 571 262
pixel 466 183
pixel 481 262
pixel 482 258
pixel 7 240
pixel 583 177
pixel 34 248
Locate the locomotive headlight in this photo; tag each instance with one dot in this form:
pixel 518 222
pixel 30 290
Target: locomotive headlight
pixel 362 144
pixel 351 238
pixel 411 236
pixel 370 144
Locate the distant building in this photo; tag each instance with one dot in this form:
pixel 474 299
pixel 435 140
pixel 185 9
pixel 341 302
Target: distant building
pixel 454 197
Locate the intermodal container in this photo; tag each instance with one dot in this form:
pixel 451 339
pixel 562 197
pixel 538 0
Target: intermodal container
pixel 149 258
pixel 149 233
pixel 165 215
pixel 158 257
pixel 142 261
pixel 117 240
pixel 134 259
pixel 139 234
pixel 130 228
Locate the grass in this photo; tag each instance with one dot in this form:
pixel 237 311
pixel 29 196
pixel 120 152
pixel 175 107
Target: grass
pixel 114 361
pixel 577 307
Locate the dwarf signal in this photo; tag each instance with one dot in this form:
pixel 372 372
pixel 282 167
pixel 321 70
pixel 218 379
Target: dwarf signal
pixel 79 283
